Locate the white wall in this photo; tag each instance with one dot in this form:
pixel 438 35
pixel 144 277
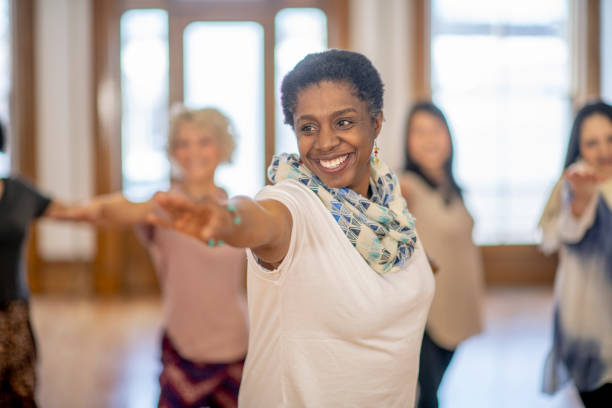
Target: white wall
pixel 64 121
pixel 380 30
pixel 606 50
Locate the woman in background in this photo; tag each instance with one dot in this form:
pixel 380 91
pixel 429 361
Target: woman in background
pixel 205 319
pixel 20 204
pixel 577 221
pixel 445 227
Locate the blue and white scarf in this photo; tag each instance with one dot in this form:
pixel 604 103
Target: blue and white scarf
pixel 381 229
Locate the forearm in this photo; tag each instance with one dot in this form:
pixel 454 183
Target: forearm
pixel 264 226
pixel 580 203
pixel 115 209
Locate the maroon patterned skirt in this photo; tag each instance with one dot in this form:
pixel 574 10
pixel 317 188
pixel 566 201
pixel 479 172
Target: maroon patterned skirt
pixel 17 356
pixel 188 384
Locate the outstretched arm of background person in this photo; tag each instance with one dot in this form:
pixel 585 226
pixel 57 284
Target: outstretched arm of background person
pixel 583 182
pixel 264 226
pixel 112 209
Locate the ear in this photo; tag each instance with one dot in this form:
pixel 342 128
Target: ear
pixel 377 123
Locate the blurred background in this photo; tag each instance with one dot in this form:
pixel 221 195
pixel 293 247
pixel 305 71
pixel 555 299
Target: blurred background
pixel 86 87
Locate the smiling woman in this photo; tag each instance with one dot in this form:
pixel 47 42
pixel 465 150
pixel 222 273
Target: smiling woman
pixel 338 282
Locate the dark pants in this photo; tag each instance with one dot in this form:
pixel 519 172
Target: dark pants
pixel 599 398
pixel 433 363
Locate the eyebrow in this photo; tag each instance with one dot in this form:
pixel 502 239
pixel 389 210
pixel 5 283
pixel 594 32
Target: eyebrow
pixel 336 113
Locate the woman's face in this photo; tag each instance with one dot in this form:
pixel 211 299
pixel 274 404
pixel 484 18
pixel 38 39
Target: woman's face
pixel 196 152
pixel 428 141
pixel 335 134
pixel 596 143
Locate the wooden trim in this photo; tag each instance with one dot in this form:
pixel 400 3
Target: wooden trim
pixel 518 265
pixel 585 29
pixel 66 277
pixel 421 81
pixel 593 49
pixel 107 109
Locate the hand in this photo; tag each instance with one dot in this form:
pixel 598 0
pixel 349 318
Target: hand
pixel 582 180
pixel 207 220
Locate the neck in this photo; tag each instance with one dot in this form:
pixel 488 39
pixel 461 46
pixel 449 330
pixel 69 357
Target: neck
pixel 436 175
pixel 199 188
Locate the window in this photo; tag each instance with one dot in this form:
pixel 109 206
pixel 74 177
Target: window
pixel 500 71
pixel 144 101
pixel 299 31
pixel 5 79
pixel 224 69
pixel 223 66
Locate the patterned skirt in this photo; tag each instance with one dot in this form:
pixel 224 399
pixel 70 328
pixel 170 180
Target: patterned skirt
pixel 188 384
pixel 17 356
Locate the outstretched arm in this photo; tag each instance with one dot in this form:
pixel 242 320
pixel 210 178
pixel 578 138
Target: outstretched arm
pixel 583 181
pixel 264 226
pixel 111 209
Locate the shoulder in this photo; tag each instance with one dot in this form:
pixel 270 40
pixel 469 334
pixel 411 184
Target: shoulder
pixel 22 187
pixel 286 190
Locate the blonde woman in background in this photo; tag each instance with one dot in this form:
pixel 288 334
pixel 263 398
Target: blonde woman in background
pixel 205 335
pixel 445 227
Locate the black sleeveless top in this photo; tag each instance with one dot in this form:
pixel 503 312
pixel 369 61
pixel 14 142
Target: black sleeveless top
pixel 19 205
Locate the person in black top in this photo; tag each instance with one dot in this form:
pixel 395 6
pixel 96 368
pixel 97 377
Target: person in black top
pixel 20 203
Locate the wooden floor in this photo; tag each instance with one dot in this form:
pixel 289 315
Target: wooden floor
pixel 104 353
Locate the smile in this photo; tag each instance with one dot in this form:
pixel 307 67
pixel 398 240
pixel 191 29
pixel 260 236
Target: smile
pixel 334 165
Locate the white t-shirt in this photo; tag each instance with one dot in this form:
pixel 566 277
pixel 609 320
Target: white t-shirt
pixel 326 330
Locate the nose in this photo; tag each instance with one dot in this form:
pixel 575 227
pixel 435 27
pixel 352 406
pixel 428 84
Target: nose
pixel 327 139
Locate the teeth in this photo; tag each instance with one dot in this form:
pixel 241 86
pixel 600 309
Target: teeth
pixel 332 164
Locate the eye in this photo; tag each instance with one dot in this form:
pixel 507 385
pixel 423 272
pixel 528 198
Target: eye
pixel 308 129
pixel 345 124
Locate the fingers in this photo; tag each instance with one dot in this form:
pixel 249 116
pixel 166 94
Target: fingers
pixel 204 220
pixel 173 203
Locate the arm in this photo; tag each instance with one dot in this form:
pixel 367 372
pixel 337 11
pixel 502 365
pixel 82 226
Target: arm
pixel 112 209
pixel 578 213
pixel 582 181
pixel 264 226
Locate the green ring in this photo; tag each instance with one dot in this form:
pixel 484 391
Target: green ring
pixel 211 242
pixel 237 220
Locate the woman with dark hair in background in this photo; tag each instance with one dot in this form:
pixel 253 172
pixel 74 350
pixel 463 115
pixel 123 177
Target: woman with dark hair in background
pixel 338 283
pixel 577 221
pixel 20 204
pixel 445 227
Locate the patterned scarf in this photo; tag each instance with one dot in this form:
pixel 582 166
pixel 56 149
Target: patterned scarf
pixel 381 229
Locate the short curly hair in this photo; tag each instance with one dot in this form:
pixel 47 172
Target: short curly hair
pixel 209 119
pixel 336 66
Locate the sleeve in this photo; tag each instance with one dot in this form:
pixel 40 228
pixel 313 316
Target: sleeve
pixel 28 192
pixel 289 194
pixel 571 229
